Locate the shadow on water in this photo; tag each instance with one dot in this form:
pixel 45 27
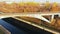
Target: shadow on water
pixel 25 27
pixel 11 28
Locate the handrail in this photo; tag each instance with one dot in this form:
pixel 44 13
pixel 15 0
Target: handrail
pixel 35 15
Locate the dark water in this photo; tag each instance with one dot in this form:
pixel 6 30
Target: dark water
pixel 11 28
pixel 19 27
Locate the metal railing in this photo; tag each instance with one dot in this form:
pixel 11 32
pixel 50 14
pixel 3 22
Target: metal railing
pixel 35 15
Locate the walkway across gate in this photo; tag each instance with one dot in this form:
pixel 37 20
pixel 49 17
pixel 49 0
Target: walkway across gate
pixel 35 15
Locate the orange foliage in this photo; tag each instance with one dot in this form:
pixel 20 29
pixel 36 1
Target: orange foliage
pixel 27 7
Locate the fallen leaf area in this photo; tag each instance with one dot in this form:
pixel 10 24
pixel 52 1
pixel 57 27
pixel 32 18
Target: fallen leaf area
pixel 29 7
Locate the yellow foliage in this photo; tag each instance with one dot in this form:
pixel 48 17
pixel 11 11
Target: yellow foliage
pixel 28 7
pixel 54 4
pixel 21 4
pixel 32 3
pixel 47 4
pixel 28 3
pixel 55 7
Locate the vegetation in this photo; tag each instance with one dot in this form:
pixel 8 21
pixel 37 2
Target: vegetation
pixel 29 7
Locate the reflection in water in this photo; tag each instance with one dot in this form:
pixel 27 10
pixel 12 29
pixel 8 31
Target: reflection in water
pixel 11 28
pixel 25 27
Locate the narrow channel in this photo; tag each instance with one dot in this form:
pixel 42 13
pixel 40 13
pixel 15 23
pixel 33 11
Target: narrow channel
pixel 25 27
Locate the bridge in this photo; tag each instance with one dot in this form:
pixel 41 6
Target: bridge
pixel 35 15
